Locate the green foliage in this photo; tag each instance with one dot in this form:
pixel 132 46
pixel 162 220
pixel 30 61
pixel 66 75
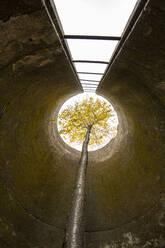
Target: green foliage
pixel 74 121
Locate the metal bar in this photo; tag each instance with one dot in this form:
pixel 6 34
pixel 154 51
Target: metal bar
pixel 91 37
pixel 89 80
pixel 55 21
pixel 86 85
pixel 89 88
pixel 90 61
pixel 92 73
pixel 91 84
pixel 90 91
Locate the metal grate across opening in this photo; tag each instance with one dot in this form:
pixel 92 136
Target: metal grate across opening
pixel 92 33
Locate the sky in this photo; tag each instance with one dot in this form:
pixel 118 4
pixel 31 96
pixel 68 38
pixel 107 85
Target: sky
pixel 93 17
pixel 79 98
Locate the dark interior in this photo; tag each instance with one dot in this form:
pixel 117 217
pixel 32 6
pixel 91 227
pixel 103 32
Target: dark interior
pixel 125 179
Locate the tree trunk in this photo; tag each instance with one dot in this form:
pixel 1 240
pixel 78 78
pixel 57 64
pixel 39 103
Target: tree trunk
pixel 75 226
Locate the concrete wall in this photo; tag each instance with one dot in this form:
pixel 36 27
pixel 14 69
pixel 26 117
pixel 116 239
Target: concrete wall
pixel 125 182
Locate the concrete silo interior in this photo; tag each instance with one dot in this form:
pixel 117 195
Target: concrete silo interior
pixel 125 180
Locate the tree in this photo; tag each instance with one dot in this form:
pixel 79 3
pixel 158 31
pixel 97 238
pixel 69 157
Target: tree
pixel 84 122
pixel 75 119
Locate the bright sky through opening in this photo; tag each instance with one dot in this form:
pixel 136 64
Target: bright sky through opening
pixel 113 121
pixel 90 77
pixel 95 49
pixel 88 67
pixel 93 17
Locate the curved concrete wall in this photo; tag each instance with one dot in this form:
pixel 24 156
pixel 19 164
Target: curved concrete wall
pixel 35 81
pixel 125 181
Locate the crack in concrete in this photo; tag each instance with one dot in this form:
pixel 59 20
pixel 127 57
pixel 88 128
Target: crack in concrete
pixel 134 219
pixel 28 211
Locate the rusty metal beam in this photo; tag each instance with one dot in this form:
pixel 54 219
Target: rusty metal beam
pixel 91 73
pixel 90 61
pixel 92 37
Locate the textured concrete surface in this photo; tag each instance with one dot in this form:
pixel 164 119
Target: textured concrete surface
pixel 126 179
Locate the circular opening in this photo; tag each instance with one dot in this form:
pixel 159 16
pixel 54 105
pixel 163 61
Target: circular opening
pixel 82 110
